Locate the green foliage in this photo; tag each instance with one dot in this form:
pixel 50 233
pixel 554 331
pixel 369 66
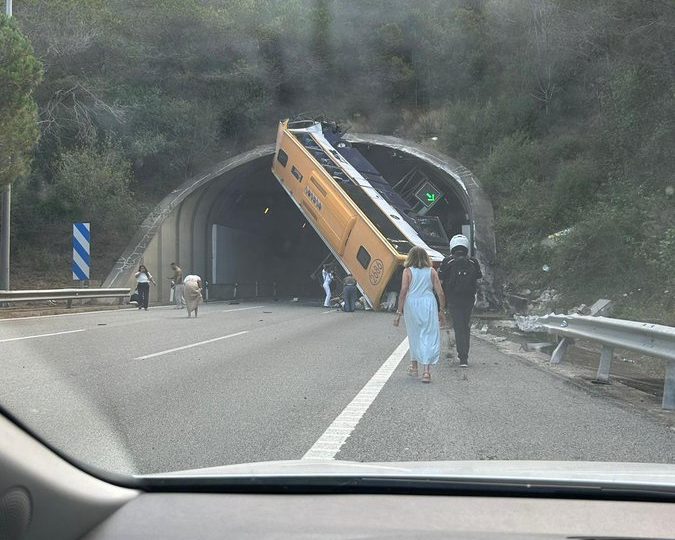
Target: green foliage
pixel 20 73
pixel 564 109
pixel 474 128
pixel 92 185
pixel 665 257
pixel 603 252
pixel 574 190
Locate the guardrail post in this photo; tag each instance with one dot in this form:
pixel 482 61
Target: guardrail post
pixel 256 289
pixel 560 351
pixel 274 289
pixel 605 364
pixel 669 387
pixel 69 303
pixel 234 294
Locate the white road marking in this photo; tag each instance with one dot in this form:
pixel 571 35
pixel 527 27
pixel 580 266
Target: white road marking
pixel 145 357
pixel 329 311
pixel 18 319
pixel 329 444
pixel 42 335
pixel 133 307
pixel 241 309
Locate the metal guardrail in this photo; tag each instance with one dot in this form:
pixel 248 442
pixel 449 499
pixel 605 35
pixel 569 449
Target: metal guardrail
pixel 63 294
pixel 645 338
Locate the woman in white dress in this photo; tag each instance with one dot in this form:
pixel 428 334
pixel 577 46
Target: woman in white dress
pixel 421 311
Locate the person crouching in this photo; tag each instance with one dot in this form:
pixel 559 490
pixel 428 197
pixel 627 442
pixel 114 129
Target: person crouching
pixel 192 293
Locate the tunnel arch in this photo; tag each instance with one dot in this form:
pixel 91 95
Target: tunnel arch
pixel 188 225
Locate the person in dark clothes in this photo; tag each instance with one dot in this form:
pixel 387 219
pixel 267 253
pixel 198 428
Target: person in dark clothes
pixel 349 293
pixel 143 280
pixel 459 274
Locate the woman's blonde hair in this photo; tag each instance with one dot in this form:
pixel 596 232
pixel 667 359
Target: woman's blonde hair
pixel 417 258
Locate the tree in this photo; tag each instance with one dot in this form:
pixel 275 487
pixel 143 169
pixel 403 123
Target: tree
pixel 93 184
pixel 20 73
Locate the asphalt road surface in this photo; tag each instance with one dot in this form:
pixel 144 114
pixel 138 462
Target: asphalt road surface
pixel 141 392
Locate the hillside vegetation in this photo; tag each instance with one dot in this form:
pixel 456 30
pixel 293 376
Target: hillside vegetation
pixel 564 109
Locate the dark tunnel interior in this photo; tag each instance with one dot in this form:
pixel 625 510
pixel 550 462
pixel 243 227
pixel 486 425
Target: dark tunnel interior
pixel 258 235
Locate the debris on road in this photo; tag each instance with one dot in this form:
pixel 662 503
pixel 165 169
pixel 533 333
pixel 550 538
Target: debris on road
pixel 540 347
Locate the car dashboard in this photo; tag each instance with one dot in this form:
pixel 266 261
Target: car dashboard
pixel 42 495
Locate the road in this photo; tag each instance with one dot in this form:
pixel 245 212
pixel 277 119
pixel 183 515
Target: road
pixel 141 392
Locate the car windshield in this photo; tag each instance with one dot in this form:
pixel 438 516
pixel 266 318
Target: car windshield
pixel 328 232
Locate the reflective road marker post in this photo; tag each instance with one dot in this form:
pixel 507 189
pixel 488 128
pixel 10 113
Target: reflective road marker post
pixel 81 257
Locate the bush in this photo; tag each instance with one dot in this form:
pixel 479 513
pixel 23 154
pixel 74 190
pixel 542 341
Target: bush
pixel 475 128
pixel 93 185
pixel 603 255
pixel 574 190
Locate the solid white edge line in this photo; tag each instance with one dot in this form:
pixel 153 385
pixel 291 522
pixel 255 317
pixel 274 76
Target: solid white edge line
pixel 240 309
pixel 155 308
pixel 18 319
pixel 42 335
pixel 168 351
pixel 328 445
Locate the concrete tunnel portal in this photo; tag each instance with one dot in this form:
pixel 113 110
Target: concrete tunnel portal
pixel 236 225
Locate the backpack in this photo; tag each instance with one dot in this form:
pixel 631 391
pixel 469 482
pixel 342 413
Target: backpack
pixel 459 275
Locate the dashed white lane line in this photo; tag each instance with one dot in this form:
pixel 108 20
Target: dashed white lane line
pixel 329 444
pixel 329 311
pixel 41 335
pixel 168 351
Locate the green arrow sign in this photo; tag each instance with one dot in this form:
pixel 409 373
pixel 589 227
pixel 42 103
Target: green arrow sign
pixel 428 194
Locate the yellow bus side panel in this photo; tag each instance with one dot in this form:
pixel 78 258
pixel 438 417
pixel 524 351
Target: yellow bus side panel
pixel 324 204
pixel 313 191
pixel 381 263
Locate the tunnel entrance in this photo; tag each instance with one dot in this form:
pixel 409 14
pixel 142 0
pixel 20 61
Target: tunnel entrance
pixel 235 224
pixel 406 173
pixel 261 242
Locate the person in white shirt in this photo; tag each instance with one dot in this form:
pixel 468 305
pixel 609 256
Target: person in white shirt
pixel 177 285
pixel 143 280
pixel 327 276
pixel 192 293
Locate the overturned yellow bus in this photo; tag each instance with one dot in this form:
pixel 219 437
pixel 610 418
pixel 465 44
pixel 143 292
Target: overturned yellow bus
pixel 358 215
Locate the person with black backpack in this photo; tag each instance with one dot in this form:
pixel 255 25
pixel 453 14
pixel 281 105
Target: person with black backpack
pixel 459 274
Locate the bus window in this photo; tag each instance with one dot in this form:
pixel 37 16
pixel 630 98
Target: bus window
pixel 363 257
pixel 282 157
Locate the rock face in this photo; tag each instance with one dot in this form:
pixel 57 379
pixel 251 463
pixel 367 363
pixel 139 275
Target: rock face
pixel 535 303
pixel 528 323
pixel 545 347
pixel 545 302
pixel 602 308
pixel 581 309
